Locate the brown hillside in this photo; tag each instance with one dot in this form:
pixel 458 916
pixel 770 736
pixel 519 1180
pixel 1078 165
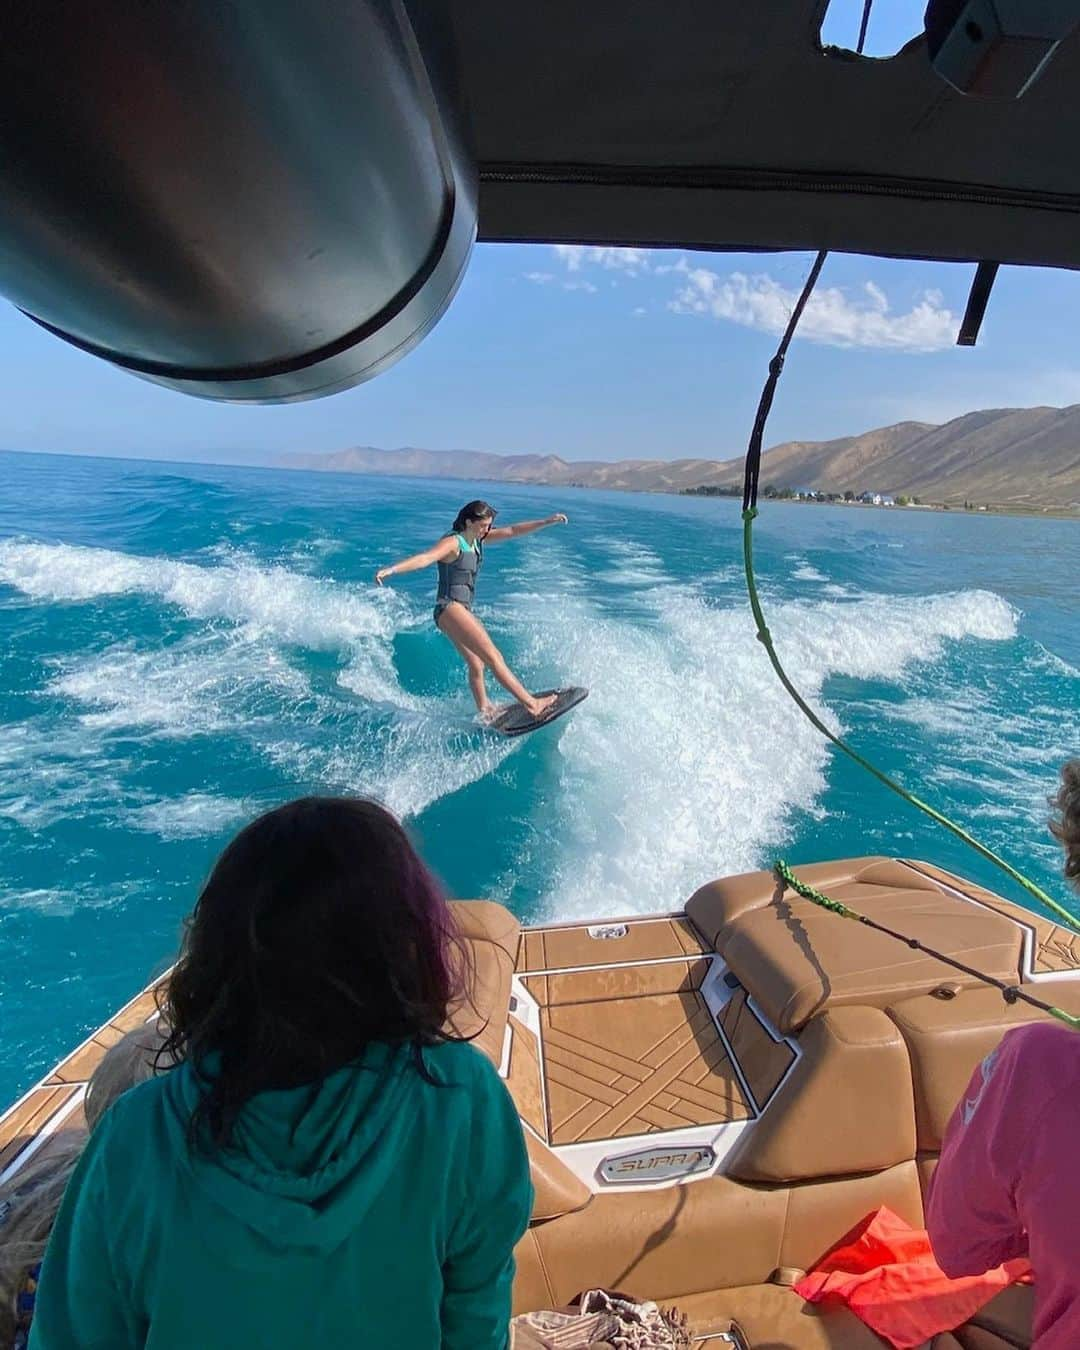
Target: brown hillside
pixel 1011 457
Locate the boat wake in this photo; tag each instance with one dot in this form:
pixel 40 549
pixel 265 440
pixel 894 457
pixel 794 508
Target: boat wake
pixel 687 762
pixel 690 760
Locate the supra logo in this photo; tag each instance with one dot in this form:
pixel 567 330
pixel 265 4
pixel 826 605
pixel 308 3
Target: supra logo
pixel 607 930
pixel 657 1164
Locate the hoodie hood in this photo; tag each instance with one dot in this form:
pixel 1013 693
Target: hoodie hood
pixel 305 1163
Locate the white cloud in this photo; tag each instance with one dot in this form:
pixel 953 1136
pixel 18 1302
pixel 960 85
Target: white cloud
pixel 879 299
pixel 639 312
pixel 831 316
pixel 836 317
pixel 575 257
pixel 546 278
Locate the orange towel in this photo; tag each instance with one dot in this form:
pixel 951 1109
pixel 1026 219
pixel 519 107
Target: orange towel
pixel 885 1272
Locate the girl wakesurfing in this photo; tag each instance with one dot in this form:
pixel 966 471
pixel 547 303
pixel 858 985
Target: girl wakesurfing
pixel 459 555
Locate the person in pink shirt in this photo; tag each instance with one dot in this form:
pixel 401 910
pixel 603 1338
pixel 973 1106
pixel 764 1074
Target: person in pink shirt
pixel 1008 1183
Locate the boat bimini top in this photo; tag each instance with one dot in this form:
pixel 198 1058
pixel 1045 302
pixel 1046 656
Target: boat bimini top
pixel 273 202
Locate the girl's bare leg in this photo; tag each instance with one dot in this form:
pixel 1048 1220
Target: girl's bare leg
pixel 466 632
pixel 476 673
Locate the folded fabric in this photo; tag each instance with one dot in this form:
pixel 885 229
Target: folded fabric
pixel 552 1330
pixel 884 1271
pixel 602 1321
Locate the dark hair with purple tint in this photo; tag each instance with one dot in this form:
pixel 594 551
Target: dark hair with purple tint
pixel 318 932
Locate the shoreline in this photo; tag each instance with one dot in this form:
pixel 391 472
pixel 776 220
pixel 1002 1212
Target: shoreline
pixel 941 508
pixel 944 508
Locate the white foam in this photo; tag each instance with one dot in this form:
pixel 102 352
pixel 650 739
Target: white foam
pixel 407 763
pixel 62 901
pixel 271 601
pixel 803 569
pixel 689 760
pixel 876 637
pixel 729 572
pixel 999 766
pixel 1052 662
pixel 967 719
pixel 188 817
pixel 371 676
pixel 312 553
pixel 50 772
pixel 199 685
pixel 629 576
pixel 634 564
pixel 233 675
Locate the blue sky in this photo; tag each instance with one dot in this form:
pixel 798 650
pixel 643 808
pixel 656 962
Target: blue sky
pixel 607 354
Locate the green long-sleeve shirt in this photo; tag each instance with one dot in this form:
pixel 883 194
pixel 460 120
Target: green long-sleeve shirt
pixel 379 1210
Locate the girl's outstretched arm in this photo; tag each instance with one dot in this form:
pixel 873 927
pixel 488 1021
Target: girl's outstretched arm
pixel 523 527
pixel 443 551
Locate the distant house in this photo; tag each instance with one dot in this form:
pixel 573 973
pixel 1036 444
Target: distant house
pixel 870 498
pixel 887 501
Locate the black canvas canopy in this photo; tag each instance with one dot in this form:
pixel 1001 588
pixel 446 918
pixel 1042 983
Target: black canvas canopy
pixel 270 202
pixel 725 125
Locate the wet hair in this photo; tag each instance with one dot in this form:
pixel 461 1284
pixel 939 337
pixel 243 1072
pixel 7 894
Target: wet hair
pixel 1066 826
pixel 318 932
pixel 476 510
pixel 30 1198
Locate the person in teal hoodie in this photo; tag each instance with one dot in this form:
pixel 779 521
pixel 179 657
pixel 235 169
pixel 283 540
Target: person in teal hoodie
pixel 328 1165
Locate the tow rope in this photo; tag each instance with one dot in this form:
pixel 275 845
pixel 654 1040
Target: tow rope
pixel 1011 993
pixel 749 512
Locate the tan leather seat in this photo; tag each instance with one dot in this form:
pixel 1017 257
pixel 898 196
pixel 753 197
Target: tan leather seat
pixel 823 1122
pixel 714 1234
pixel 853 1122
pixel 490 932
pixel 946 1039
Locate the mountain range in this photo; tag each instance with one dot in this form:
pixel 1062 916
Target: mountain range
pixel 1020 458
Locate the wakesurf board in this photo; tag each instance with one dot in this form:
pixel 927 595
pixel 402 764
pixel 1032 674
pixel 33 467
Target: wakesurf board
pixel 513 720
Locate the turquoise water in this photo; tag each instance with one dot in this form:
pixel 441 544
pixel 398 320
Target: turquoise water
pixel 183 646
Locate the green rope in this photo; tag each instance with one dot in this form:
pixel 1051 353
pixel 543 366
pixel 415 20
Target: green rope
pixel 765 638
pixel 1010 992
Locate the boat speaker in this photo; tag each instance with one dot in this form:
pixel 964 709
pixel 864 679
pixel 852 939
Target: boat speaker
pixel 252 203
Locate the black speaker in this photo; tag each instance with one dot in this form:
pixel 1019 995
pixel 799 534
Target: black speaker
pixel 248 202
